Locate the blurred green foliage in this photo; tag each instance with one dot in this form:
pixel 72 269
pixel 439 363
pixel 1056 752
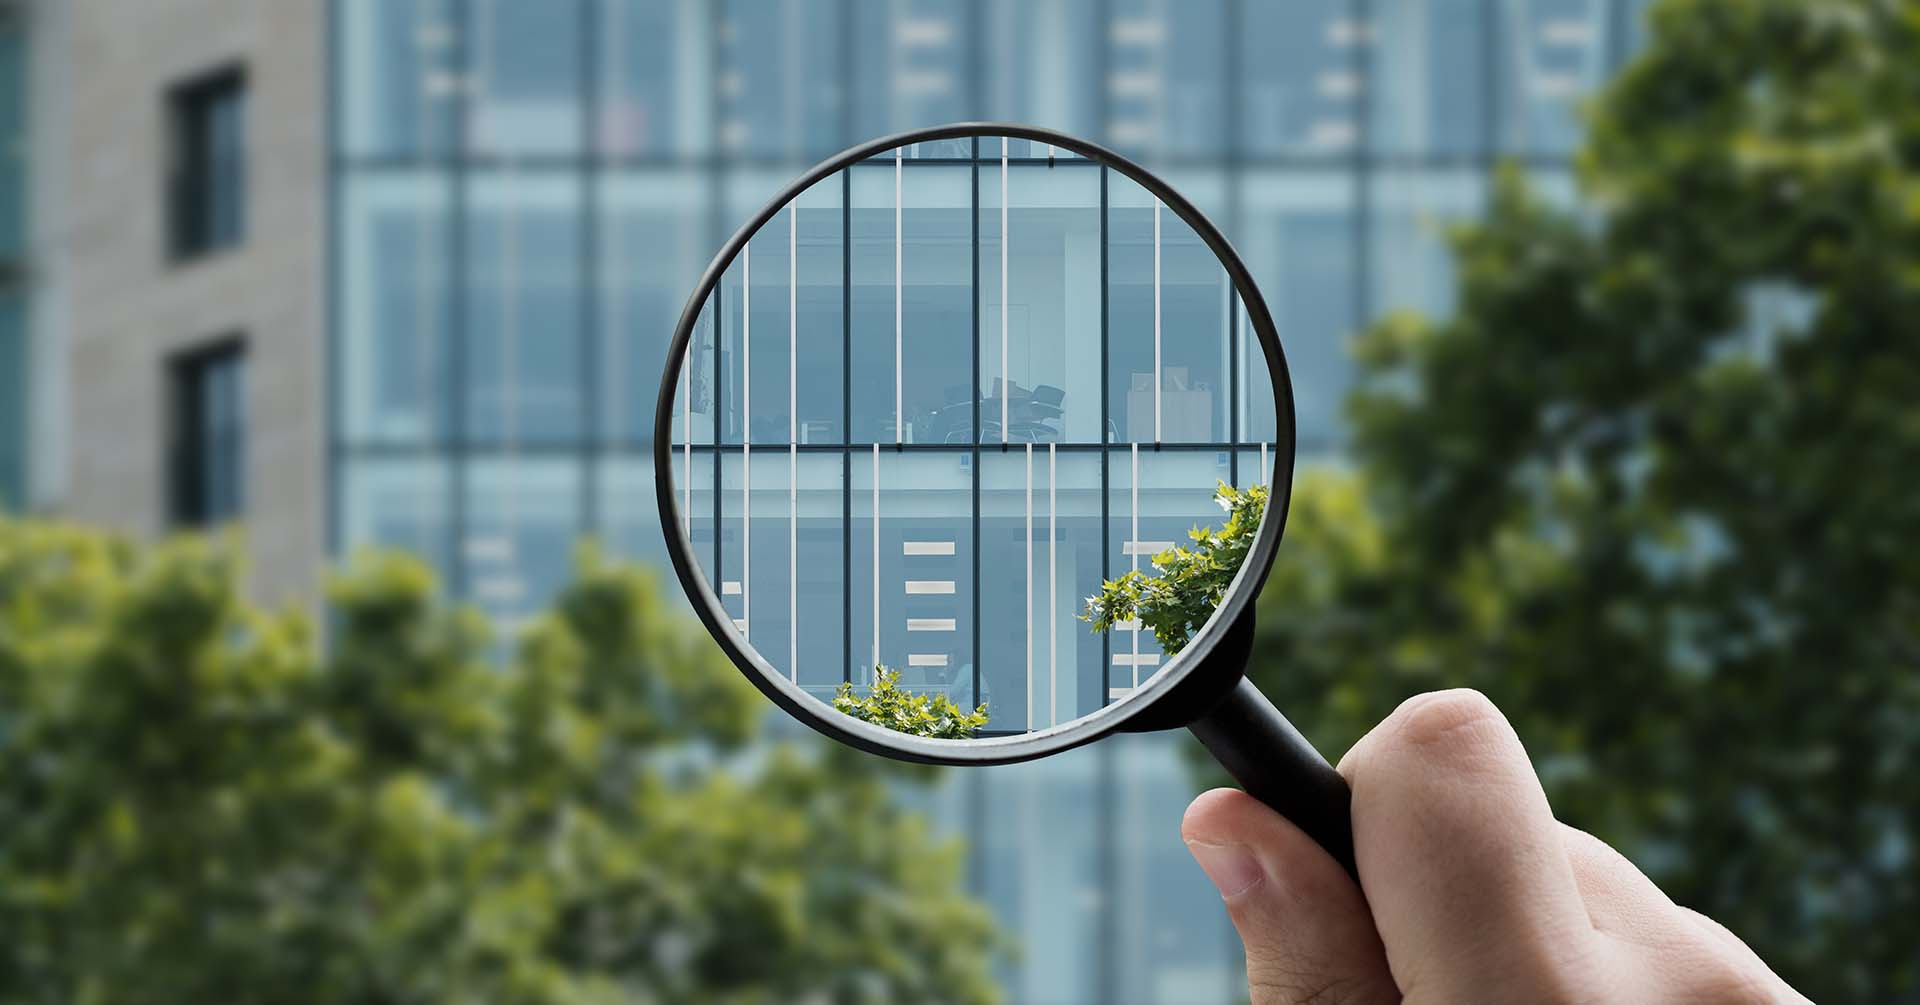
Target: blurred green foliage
pixel 1187 584
pixel 1677 541
pixel 195 807
pixel 888 704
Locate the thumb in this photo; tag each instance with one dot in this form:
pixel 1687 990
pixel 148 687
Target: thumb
pixel 1308 933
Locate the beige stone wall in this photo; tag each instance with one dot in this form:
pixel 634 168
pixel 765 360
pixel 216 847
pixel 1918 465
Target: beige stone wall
pixel 129 307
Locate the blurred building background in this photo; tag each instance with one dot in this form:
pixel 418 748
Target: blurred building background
pixel 256 262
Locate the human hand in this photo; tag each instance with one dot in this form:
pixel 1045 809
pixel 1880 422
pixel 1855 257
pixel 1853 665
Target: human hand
pixel 1472 891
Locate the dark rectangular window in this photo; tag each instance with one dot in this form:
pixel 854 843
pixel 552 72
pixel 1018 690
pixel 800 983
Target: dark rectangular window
pixel 207 183
pixel 207 466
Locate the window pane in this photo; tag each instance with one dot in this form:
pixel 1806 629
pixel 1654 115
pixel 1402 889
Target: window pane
pixel 1302 87
pixel 911 64
pixel 398 76
pixel 1166 84
pixel 1042 63
pixel 1155 497
pixel 1042 869
pixel 653 245
pixel 394 308
pixel 523 296
pixel 924 577
pixel 1429 89
pixel 1167 324
pixel 788 587
pixel 935 322
pixel 655 78
pixel 1553 54
pixel 523 517
pixel 526 77
pixel 779 83
pixel 1169 920
pixel 397 503
pixel 1298 241
pixel 1412 262
pixel 1050 327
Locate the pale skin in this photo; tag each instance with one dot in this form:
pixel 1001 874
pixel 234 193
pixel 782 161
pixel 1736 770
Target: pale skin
pixel 1470 890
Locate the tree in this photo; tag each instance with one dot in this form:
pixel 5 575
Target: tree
pixel 888 704
pixel 1188 583
pixel 194 806
pixel 1673 538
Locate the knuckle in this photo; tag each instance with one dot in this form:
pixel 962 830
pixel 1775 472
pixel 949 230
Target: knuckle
pixel 1447 720
pixel 1717 979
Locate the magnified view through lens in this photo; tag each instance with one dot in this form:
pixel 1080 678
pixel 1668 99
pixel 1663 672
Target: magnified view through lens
pixel 970 437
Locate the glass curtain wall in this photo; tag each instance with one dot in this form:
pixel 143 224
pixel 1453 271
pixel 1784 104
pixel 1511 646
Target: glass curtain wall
pixel 525 192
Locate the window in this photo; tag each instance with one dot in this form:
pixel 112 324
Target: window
pixel 208 178
pixel 207 468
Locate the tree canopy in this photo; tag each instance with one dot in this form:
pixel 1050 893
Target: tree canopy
pixel 195 806
pixel 1672 535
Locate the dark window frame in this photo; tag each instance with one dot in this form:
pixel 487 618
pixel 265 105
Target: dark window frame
pixel 206 183
pixel 193 447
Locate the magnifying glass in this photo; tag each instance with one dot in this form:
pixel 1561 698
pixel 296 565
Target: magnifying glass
pixel 975 445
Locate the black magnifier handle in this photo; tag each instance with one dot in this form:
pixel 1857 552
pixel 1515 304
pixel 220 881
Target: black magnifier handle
pixel 1276 765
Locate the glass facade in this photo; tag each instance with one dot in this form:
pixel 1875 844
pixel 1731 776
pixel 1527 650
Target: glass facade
pixel 13 273
pixel 517 226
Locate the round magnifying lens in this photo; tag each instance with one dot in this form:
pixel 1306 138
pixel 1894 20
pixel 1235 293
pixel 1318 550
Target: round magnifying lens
pixel 974 445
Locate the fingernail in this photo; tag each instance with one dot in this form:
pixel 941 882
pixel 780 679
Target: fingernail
pixel 1232 867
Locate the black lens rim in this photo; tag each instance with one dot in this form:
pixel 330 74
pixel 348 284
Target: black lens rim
pixel 996 749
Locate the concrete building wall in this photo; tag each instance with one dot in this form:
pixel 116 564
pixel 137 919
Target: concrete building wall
pixel 129 307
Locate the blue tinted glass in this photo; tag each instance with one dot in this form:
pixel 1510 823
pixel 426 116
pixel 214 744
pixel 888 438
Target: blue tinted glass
pixel 911 64
pixel 1169 923
pixel 911 609
pixel 1042 871
pixel 653 244
pixel 394 311
pixel 523 296
pixel 1298 239
pixel 1553 54
pixel 13 402
pixel 399 504
pixel 656 70
pixel 1042 64
pixel 1167 335
pixel 1428 94
pixel 399 73
pixel 522 519
pixel 525 83
pixel 1166 83
pixel 1300 91
pixel 780 78
pixel 1048 329
pixel 1412 265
